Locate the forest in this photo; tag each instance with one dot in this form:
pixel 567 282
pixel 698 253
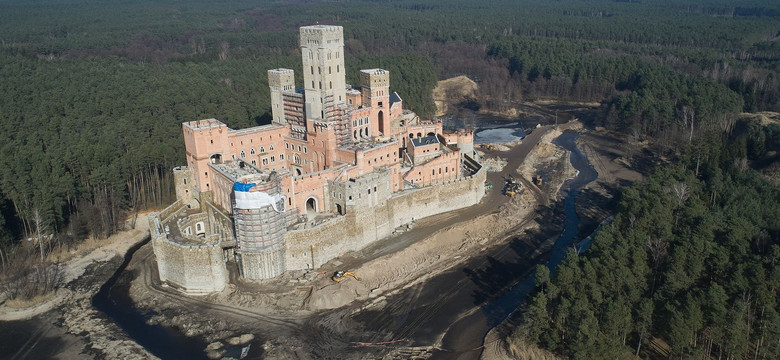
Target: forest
pixel 93 94
pixel 692 257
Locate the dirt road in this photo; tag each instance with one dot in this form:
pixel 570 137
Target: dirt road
pixel 427 279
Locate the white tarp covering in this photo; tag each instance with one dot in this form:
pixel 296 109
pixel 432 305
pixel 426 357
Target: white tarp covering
pixel 256 199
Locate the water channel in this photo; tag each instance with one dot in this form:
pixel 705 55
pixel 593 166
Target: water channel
pixel 464 338
pixel 509 302
pixel 167 343
pixel 114 301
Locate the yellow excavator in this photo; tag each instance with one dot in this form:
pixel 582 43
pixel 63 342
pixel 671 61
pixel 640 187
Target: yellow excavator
pixel 341 275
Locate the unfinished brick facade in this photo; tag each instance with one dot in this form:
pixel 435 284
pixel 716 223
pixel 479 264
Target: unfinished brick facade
pixel 333 153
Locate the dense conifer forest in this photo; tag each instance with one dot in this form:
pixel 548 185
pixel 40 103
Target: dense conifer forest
pixel 693 257
pixel 93 94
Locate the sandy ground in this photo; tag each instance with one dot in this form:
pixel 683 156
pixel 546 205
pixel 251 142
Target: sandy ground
pixel 116 245
pixel 606 152
pixel 69 314
pixel 452 91
pixel 284 306
pixel 433 246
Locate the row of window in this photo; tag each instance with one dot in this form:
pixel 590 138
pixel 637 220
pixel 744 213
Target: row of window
pixel 330 70
pixel 395 153
pixel 252 140
pixel 330 83
pixel 289 146
pixel 330 55
pixel 252 150
pixel 341 196
pixel 433 171
pixel 265 160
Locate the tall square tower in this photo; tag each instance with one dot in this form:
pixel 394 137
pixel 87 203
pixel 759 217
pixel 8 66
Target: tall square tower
pixel 322 50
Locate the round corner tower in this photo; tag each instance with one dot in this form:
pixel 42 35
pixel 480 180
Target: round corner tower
pixel 260 227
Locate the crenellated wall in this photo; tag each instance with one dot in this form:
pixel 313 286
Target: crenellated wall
pixel 193 268
pixel 363 225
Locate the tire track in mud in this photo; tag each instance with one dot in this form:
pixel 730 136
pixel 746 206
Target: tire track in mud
pixel 148 269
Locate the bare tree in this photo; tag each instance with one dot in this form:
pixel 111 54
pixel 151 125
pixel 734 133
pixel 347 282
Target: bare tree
pixel 681 192
pixel 40 227
pixel 224 50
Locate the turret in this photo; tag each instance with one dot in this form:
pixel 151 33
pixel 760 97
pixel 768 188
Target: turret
pixel 280 81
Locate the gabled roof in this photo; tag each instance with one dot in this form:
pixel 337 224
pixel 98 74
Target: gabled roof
pixel 394 98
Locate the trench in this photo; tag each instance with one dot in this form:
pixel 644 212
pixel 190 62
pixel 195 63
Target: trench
pixel 114 301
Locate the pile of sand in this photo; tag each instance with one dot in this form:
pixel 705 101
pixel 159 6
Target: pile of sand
pixel 493 164
pixel 453 91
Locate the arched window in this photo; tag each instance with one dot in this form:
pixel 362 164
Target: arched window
pixel 252 151
pixel 262 149
pixel 243 154
pixel 312 70
pixel 265 161
pixel 281 156
pixel 273 159
pixel 254 162
pixel 270 148
pixel 331 84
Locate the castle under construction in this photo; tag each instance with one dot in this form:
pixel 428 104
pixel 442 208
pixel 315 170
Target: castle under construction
pixel 338 168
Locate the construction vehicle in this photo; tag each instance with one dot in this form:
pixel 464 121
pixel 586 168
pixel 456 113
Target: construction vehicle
pixel 341 275
pixel 538 180
pixel 511 188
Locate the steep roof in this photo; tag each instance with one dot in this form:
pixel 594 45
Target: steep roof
pixel 394 98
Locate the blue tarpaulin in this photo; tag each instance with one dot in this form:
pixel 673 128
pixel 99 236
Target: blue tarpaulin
pixel 242 187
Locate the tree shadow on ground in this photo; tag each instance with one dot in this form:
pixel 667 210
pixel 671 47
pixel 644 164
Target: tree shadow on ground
pixel 503 270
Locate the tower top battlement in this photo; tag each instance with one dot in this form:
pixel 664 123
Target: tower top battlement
pixel 321 35
pixel 311 29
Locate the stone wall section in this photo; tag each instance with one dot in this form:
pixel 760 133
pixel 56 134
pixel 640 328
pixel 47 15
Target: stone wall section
pixel 195 269
pixel 361 226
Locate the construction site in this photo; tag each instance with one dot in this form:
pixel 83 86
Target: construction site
pixel 339 168
pixel 429 289
pixel 380 236
pixel 339 297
